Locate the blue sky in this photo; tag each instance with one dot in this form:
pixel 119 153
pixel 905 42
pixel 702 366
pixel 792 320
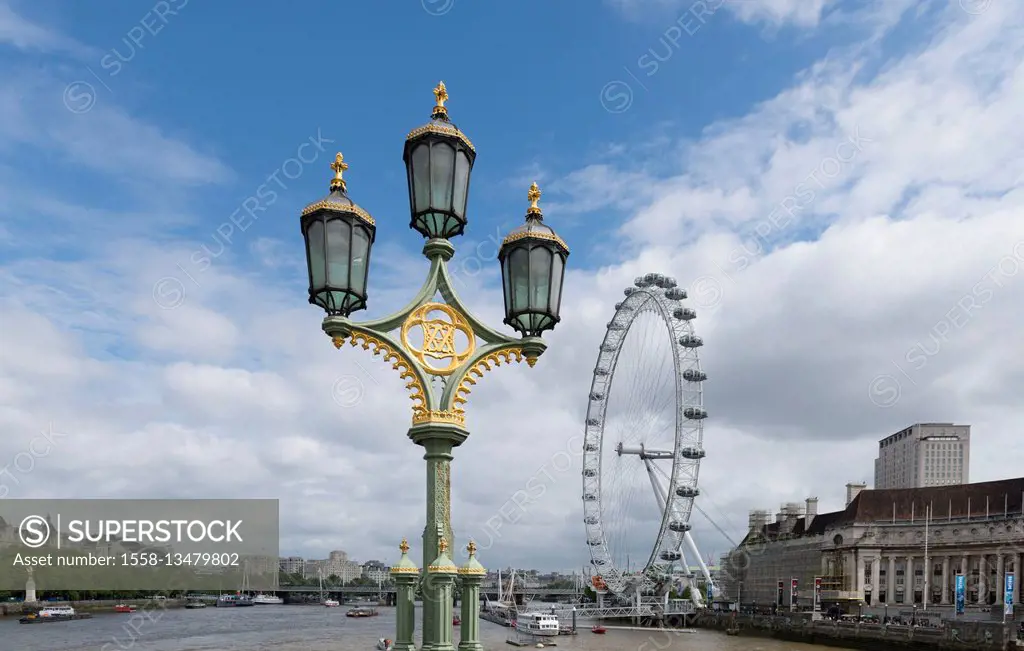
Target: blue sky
pixel 828 178
pixel 526 82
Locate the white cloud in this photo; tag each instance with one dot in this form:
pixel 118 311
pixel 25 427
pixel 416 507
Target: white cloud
pixel 773 13
pixel 23 34
pixel 805 13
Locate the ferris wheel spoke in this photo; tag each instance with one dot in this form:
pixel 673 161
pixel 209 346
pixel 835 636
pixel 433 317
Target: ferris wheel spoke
pixel 651 384
pixel 629 372
pixel 643 383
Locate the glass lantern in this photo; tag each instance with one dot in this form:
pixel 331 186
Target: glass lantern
pixel 438 161
pixel 533 260
pixel 339 236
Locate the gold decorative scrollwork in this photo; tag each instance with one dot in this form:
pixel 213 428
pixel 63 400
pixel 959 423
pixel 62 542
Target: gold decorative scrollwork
pixel 439 337
pixel 385 350
pixel 439 416
pixel 505 355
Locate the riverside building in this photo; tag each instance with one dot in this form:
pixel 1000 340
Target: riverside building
pixel 890 547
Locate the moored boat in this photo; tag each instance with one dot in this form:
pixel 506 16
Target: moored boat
pixel 267 600
pixel 331 603
pixel 233 600
pixel 53 614
pixel 195 603
pixel 124 608
pixel 540 624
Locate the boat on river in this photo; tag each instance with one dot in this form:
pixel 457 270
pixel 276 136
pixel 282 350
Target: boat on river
pixel 503 611
pixel 267 600
pixel 53 614
pixel 233 601
pixel 540 624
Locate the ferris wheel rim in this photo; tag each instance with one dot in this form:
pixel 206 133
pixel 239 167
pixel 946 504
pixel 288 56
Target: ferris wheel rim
pixel 648 297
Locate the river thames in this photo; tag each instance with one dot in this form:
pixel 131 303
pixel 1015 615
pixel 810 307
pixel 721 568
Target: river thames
pixel 314 628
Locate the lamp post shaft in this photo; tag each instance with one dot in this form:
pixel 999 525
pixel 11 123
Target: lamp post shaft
pixel 438 440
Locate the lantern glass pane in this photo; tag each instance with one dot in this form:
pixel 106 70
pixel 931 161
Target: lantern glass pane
pixel 360 254
pixel 421 177
pixel 506 280
pixel 519 268
pixel 540 278
pixel 338 301
pixel 557 269
pixel 461 183
pixel 315 251
pixel 442 167
pixel 339 246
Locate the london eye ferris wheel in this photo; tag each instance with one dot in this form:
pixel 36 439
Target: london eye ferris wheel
pixel 644 443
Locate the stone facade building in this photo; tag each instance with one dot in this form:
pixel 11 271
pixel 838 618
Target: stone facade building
pixel 924 454
pixel 896 547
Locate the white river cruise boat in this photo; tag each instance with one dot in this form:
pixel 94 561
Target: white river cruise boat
pixel 57 611
pixel 267 600
pixel 540 624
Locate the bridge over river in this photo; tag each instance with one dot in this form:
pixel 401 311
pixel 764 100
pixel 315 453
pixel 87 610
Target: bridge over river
pixel 644 608
pixel 491 592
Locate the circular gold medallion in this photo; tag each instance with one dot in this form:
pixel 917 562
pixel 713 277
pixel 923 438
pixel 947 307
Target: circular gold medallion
pixel 446 337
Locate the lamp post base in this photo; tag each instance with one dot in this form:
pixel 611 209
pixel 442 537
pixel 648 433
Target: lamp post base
pixel 437 440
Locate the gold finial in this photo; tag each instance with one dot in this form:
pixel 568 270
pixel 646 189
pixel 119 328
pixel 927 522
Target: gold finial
pixel 442 545
pixel 441 96
pixel 339 166
pixel 471 548
pixel 404 546
pixel 534 196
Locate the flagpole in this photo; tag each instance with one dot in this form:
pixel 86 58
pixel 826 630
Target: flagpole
pixel 927 566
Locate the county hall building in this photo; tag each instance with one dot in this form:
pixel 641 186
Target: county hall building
pixel 899 547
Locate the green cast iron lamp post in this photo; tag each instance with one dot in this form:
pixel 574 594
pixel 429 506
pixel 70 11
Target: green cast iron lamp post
pixel 439 347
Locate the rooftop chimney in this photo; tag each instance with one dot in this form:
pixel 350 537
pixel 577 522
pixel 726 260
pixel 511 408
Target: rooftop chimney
pixel 756 520
pixel 810 511
pixel 853 490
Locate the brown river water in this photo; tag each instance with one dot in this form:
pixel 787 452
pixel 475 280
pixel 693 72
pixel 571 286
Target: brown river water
pixel 314 628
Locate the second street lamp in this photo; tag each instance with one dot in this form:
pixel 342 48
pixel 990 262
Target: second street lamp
pixel 429 340
pixel 532 268
pixel 339 235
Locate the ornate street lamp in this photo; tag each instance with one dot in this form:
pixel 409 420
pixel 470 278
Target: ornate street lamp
pixel 532 268
pixel 438 159
pixel 435 339
pixel 339 235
